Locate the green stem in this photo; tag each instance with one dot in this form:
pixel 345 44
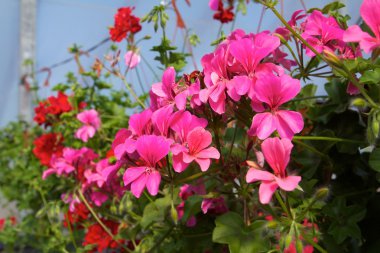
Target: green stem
pixel 71 232
pixel 307 98
pixel 132 92
pixel 158 243
pixel 232 143
pixel 96 217
pixel 325 138
pixel 283 206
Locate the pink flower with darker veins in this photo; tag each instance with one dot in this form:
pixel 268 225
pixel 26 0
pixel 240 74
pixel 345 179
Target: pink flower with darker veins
pixel 370 11
pixel 91 121
pixel 151 149
pixel 196 149
pixel 274 91
pixel 277 154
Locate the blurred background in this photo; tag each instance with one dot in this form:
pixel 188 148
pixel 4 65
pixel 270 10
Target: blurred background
pixel 41 31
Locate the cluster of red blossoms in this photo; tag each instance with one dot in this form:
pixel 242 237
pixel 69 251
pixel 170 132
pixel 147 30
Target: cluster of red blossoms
pixel 224 15
pixel 125 23
pixel 11 219
pixel 51 108
pixel 46 146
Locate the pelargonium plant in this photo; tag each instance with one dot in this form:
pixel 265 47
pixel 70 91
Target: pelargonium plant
pixel 240 155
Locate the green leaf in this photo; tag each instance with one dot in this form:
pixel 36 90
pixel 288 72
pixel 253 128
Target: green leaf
pixel 371 77
pixel 155 211
pixel 230 229
pixel 374 160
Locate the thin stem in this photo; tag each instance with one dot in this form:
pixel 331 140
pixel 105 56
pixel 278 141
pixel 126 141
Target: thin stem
pixel 325 138
pixel 158 243
pixel 282 204
pixel 232 143
pixel 71 232
pixel 260 20
pixel 133 92
pixel 139 81
pixel 307 98
pixel 150 67
pixel 96 217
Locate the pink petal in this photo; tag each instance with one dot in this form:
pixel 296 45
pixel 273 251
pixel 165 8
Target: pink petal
pixel 369 11
pixel 288 183
pixel 203 163
pixel 198 139
pixel 152 148
pixel 85 132
pixel 254 175
pixel 354 34
pixel 277 153
pixel 213 4
pixel 210 152
pixel 138 122
pixel 181 99
pixel 132 59
pixel 263 125
pixel 158 89
pixel 161 119
pixel 266 191
pixel 131 174
pixel 288 123
pixel 187 158
pixel 137 186
pixel 47 173
pixel 178 164
pixel 241 84
pixel 153 182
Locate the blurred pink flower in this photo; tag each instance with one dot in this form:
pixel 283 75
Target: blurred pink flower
pixel 132 59
pixel 370 11
pixel 277 154
pixel 91 121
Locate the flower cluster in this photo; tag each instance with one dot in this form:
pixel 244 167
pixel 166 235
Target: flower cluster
pixel 125 23
pixel 50 109
pixel 224 15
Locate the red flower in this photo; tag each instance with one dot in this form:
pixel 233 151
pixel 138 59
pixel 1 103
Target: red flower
pixel 125 23
pixel 99 238
pixel 79 215
pixel 46 146
pixel 2 222
pixel 51 108
pixel 224 15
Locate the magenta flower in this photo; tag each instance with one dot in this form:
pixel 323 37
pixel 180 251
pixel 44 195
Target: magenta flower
pixel 213 4
pixel 196 149
pixel 323 33
pixel 277 154
pixel 274 91
pixel 369 11
pixel 132 59
pixel 151 149
pixel 91 121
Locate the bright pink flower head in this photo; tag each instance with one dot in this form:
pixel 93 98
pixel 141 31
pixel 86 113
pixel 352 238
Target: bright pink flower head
pixel 184 123
pixel 277 154
pixel 213 4
pixel 323 33
pixel 132 59
pixel 91 121
pixel 151 149
pixel 275 91
pixel 369 11
pixel 196 149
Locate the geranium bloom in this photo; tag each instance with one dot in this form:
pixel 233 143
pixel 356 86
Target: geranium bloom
pixel 91 121
pixel 323 33
pixel 369 11
pixel 196 149
pixel 46 146
pixel 125 23
pixel 224 15
pixel 99 238
pixel 151 149
pixel 132 59
pixel 277 154
pixel 275 91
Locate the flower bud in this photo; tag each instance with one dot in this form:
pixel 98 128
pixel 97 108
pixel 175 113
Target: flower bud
pixel 332 58
pixel 322 193
pixel 359 102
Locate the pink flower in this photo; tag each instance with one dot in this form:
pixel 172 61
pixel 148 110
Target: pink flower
pixel 213 4
pixel 132 59
pixel 184 123
pixel 168 92
pixel 275 91
pixel 323 33
pixel 196 149
pixel 91 121
pixel 277 154
pixel 151 149
pixel 369 11
pixel 214 205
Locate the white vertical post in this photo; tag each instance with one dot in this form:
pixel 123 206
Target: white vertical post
pixel 28 10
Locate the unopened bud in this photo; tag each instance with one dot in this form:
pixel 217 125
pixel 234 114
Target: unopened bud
pixel 282 39
pixel 359 102
pixel 174 214
pixel 332 58
pixel 272 224
pixel 322 193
